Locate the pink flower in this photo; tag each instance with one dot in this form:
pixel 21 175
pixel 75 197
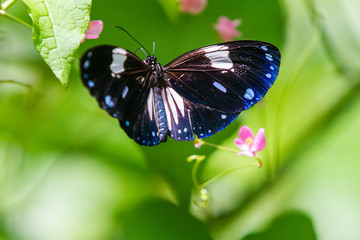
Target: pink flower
pixel 248 144
pixel 193 6
pixel 94 30
pixel 198 142
pixel 227 28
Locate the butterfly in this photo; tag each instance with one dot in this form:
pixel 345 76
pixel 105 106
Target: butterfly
pixel 195 95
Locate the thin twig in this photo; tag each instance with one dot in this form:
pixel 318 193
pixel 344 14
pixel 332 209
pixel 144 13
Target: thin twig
pixel 11 17
pixel 16 82
pixel 7 4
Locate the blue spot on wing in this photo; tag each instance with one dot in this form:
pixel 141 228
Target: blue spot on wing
pixel 91 84
pixel 141 129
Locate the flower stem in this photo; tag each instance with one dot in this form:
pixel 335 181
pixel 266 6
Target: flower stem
pixel 9 16
pixel 194 175
pixel 16 82
pixel 210 180
pixel 299 64
pixel 220 147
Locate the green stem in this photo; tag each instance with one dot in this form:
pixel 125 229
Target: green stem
pixel 16 82
pixel 7 4
pixel 9 16
pixel 194 175
pixel 220 147
pixel 210 180
pixel 300 62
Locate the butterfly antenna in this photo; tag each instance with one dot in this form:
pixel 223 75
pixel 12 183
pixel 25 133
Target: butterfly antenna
pixel 148 54
pixel 142 51
pixel 153 48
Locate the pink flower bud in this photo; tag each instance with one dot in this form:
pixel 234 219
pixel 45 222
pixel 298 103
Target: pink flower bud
pixel 94 30
pixel 193 6
pixel 227 28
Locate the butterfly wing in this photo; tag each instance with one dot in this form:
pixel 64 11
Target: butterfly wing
pixel 216 83
pixel 118 80
pixel 185 118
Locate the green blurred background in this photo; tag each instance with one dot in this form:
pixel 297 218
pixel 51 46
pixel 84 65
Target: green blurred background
pixel 68 171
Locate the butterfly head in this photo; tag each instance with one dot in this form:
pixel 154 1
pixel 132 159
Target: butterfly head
pixel 152 62
pixel 156 68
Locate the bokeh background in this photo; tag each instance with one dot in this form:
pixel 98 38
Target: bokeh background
pixel 69 172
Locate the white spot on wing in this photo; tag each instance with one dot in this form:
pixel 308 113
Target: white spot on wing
pixel 125 92
pixel 249 94
pixel 269 57
pixel 223 116
pixel 264 48
pixel 119 57
pixel 220 59
pixel 172 106
pixel 178 100
pixel 268 75
pixel 150 104
pixel 108 101
pixel 215 48
pixel 220 87
pixel 168 116
pixel 120 51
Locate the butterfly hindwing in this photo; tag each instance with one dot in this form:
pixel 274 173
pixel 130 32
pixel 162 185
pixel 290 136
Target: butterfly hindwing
pixel 185 118
pixel 141 127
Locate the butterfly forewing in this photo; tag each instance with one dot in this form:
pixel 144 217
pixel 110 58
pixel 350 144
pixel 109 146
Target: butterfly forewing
pixel 218 82
pixel 118 80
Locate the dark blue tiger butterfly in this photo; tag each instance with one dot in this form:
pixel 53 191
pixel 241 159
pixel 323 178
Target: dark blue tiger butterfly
pixel 199 93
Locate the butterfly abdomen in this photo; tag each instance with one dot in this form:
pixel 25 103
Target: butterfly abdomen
pixel 160 115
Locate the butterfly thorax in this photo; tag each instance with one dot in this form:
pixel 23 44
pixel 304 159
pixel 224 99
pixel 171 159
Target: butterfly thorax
pixel 157 70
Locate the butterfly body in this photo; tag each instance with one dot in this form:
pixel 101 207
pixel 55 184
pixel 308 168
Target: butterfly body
pixel 199 93
pixel 160 115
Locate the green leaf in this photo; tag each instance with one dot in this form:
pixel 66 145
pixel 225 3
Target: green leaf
pixel 58 28
pixel 171 7
pixel 292 225
pixel 159 219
